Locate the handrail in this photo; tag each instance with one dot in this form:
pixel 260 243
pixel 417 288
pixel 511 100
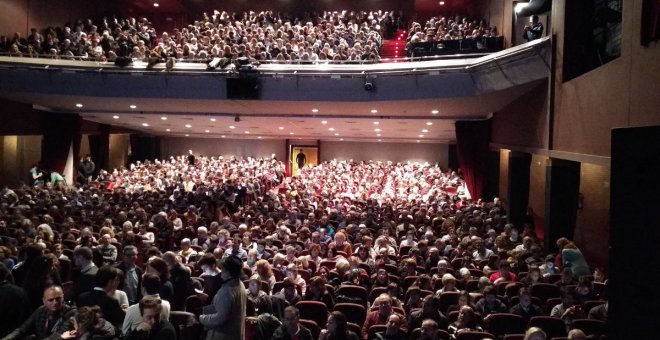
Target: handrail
pixel 460 63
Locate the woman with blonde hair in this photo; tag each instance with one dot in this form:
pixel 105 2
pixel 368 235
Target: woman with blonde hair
pixel 535 333
pixel 265 273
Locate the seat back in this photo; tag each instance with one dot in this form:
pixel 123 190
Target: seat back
pixel 354 312
pixel 472 335
pixel 589 326
pixel 545 291
pixel 185 325
pixel 313 310
pixel 505 323
pixel 312 326
pixel 553 327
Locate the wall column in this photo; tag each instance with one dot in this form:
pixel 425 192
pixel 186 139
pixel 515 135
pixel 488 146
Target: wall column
pixel 518 190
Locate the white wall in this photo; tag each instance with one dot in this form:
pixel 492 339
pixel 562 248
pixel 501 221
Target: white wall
pixel 396 152
pixel 173 146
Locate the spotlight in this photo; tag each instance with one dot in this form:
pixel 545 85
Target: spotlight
pixel 369 86
pixel 237 119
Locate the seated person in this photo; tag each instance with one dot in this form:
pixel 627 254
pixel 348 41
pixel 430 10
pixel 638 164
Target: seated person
pixel 291 327
pixel 381 316
pixel 153 326
pixel 490 303
pixel 569 309
pixel 525 307
pixel 89 324
pixel 430 311
pixel 503 274
pixel 393 330
pixel 467 321
pixel 48 321
pixel 289 292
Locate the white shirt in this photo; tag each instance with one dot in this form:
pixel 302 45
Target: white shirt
pixel 133 316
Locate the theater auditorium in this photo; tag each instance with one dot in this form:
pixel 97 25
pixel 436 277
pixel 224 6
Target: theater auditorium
pixel 321 170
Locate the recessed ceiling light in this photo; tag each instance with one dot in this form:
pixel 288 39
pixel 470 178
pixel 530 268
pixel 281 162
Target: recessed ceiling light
pixel 133 106
pixel 418 141
pixel 145 124
pixel 315 110
pixel 425 130
pixel 247 132
pixel 188 126
pixel 324 122
pixel 374 111
pixel 336 134
pixel 232 127
pixel 213 119
pixel 421 136
pixel 377 130
pixel 442 3
pixel 376 123
pixel 115 117
pixel 429 123
pixel 291 133
pixel 378 135
pixel 435 112
pixel 331 129
pixel 259 137
pixel 168 130
pixel 223 136
pixel 156 4
pixel 380 140
pixel 79 105
pixel 281 127
pixel 187 135
pixel 207 131
pixel 163 118
pixel 341 139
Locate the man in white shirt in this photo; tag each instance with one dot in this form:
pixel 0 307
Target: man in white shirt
pixel 150 286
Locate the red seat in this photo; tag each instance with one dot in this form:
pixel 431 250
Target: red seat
pixel 505 323
pixel 553 327
pixel 312 326
pixel 375 329
pixel 471 335
pixel 354 312
pixel 353 291
pixel 354 327
pixel 313 310
pixel 545 291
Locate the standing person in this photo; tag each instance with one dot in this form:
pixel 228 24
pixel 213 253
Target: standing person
pixel 106 281
pixel 36 175
pixel 181 282
pixel 15 296
pixel 132 283
pixel 82 257
pixel 191 158
pixel 227 320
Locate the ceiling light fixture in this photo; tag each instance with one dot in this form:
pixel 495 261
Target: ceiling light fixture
pixel 324 122
pixel 188 126
pixel 336 134
pixel 207 131
pixel 421 136
pixel 223 136
pixel 315 110
pixel 281 127
pixel 133 107
pixel 232 127
pixel 79 105
pixel 259 137
pixel 115 117
pixel 435 112
pixel 374 111
pixel 291 133
pixel 380 140
pixel 163 118
pixel 156 4
pixel 376 123
pixel 213 119
pixel 145 124
pixel 378 135
pixel 377 130
pixel 331 129
pixel 425 131
pixel 429 123
pixel 248 132
pixel 187 135
pixel 341 139
pixel 168 130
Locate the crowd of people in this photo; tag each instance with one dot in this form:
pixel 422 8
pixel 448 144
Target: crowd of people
pixel 311 37
pixel 233 249
pixel 450 28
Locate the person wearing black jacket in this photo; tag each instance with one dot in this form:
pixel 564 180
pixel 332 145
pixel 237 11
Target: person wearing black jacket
pixel 48 321
pixel 180 279
pixel 132 284
pixel 106 281
pixel 14 296
pixel 291 326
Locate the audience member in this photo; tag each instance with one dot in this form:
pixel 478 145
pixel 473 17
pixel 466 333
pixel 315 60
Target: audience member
pixel 106 281
pixel 226 318
pixel 52 319
pixel 151 285
pixel 152 326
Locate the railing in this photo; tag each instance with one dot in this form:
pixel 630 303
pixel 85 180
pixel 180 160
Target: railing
pixel 415 65
pixel 459 46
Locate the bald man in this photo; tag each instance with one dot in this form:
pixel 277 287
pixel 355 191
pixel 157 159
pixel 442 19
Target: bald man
pixel 48 321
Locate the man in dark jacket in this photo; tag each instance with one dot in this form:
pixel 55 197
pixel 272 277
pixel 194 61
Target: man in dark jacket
pixel 48 321
pixel 15 300
pixel 180 279
pixel 291 327
pixel 86 278
pixel 132 284
pixel 106 281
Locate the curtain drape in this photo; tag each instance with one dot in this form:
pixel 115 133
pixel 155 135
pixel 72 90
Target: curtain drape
pixel 61 135
pixel 99 148
pixel 472 142
pixel 144 148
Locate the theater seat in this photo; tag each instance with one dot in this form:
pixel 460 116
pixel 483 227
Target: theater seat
pixel 553 327
pixel 589 326
pixel 312 326
pixel 505 323
pixel 470 335
pixel 313 310
pixel 186 325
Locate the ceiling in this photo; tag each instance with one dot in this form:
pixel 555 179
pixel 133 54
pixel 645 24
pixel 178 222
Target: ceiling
pixel 402 121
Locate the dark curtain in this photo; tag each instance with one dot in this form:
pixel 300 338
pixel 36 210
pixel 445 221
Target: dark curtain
pixel 99 148
pixel 144 148
pixel 472 142
pixel 60 132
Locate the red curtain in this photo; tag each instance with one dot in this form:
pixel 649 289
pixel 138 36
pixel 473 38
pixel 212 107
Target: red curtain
pixel 472 143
